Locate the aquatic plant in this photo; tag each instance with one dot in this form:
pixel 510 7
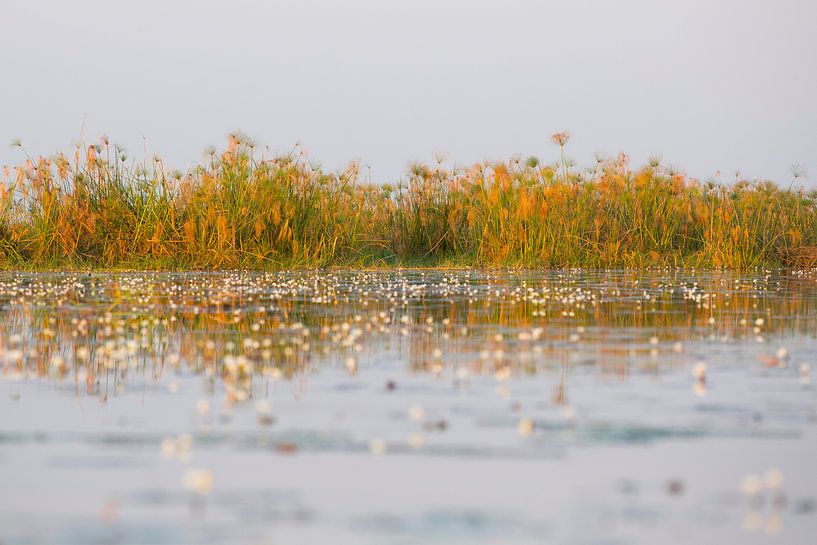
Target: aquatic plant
pixel 240 209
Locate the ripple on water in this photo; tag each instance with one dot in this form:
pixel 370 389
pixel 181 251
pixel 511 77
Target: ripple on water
pixel 406 406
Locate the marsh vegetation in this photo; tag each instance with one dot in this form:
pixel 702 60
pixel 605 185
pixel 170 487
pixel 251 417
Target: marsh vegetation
pixel 239 208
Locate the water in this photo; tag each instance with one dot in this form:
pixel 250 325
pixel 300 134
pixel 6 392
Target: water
pixel 408 407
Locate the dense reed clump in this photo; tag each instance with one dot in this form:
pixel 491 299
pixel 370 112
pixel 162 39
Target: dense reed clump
pixel 239 209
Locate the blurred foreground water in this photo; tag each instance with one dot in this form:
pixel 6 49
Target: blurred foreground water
pixel 408 407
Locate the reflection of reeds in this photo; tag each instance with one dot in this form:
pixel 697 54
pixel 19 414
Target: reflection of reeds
pixel 245 329
pixel 238 210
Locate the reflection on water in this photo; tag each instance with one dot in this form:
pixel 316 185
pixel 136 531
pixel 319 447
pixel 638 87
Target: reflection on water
pixel 410 406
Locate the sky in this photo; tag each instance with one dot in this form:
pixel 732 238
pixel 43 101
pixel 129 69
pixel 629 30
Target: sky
pixel 710 85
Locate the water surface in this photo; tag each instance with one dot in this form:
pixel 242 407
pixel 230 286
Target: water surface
pixel 408 407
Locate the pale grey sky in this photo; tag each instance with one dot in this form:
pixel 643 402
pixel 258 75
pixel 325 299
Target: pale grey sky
pixel 708 84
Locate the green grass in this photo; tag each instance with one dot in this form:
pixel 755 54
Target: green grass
pixel 238 210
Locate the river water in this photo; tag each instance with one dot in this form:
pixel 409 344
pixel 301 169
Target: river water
pixel 402 407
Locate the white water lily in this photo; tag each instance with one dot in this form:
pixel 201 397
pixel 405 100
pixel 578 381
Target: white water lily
pixel 199 481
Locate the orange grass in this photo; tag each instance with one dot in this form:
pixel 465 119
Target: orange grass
pixel 238 210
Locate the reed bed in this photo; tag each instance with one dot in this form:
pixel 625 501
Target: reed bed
pixel 97 208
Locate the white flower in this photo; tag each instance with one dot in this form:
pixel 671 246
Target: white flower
pixel 525 427
pixel 199 481
pixel 751 485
